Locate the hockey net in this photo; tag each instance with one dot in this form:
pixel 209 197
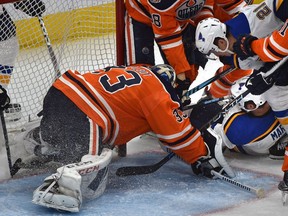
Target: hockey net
pixel 83 38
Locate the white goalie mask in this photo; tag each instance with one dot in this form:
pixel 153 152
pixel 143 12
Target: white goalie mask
pixel 206 32
pixel 166 72
pixel 238 88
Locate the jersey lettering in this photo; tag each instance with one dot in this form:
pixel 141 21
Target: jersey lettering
pixel 179 115
pixel 262 11
pixel 189 9
pixel 122 81
pixel 156 20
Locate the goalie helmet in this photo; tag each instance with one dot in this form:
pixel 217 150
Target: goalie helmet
pixel 206 32
pixel 238 88
pixel 166 72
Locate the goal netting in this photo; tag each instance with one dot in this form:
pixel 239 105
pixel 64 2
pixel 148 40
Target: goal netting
pixel 82 35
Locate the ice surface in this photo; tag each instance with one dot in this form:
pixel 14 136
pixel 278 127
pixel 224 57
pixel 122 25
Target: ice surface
pixel 172 190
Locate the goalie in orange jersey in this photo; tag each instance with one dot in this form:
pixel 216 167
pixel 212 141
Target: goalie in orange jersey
pixel 85 116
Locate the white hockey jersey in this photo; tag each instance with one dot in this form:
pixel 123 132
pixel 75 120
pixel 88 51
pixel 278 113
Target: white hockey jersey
pixel 255 138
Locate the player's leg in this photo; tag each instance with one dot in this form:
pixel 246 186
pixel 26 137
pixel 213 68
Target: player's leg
pixel 139 39
pixel 84 176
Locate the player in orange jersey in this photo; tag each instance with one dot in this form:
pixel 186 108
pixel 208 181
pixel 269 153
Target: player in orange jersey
pixel 170 25
pixel 85 116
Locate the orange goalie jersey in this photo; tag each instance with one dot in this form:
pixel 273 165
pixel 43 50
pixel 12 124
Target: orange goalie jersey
pixel 127 102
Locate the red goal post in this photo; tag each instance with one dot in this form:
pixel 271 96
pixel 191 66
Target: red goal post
pixel 84 35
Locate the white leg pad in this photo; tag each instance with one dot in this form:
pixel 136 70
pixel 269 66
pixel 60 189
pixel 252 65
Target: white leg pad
pixel 63 190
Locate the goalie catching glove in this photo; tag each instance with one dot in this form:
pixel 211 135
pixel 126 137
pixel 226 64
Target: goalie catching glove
pixel 65 189
pixel 214 159
pixel 32 8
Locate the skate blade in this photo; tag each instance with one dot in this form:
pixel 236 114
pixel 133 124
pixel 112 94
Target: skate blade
pixel 285 198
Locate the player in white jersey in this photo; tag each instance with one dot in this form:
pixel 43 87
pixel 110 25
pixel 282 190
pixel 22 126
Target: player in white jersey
pixel 251 127
pixel 9 47
pixel 265 19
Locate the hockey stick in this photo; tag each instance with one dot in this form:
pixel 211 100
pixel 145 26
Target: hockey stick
pixel 206 102
pixel 5 133
pixel 139 170
pixel 209 81
pixel 50 49
pixel 260 193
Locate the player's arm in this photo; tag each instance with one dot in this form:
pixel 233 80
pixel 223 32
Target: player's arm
pixel 271 48
pixel 174 130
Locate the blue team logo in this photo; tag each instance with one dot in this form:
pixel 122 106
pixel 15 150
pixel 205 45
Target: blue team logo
pixel 189 9
pixel 241 85
pixel 201 38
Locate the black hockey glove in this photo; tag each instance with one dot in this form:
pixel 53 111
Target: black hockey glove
pixel 214 160
pixel 257 83
pixel 181 90
pixel 4 99
pixel 31 7
pixel 242 47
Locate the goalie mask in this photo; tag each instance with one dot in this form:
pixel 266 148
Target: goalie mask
pixel 206 32
pixel 238 88
pixel 166 72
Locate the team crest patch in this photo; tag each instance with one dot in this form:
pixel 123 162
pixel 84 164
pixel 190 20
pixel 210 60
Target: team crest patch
pixel 189 9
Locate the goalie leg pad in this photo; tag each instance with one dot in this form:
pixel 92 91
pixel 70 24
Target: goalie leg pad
pixel 64 190
pixel 49 196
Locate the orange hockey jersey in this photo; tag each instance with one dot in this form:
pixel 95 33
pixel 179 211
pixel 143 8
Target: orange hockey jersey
pixel 226 9
pixel 127 102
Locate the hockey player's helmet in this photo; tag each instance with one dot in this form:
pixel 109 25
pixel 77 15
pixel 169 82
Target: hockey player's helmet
pixel 166 72
pixel 238 88
pixel 206 32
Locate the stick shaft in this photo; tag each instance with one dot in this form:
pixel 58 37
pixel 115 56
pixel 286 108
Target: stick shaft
pixel 49 46
pixel 5 133
pixel 140 170
pixel 236 183
pixel 209 81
